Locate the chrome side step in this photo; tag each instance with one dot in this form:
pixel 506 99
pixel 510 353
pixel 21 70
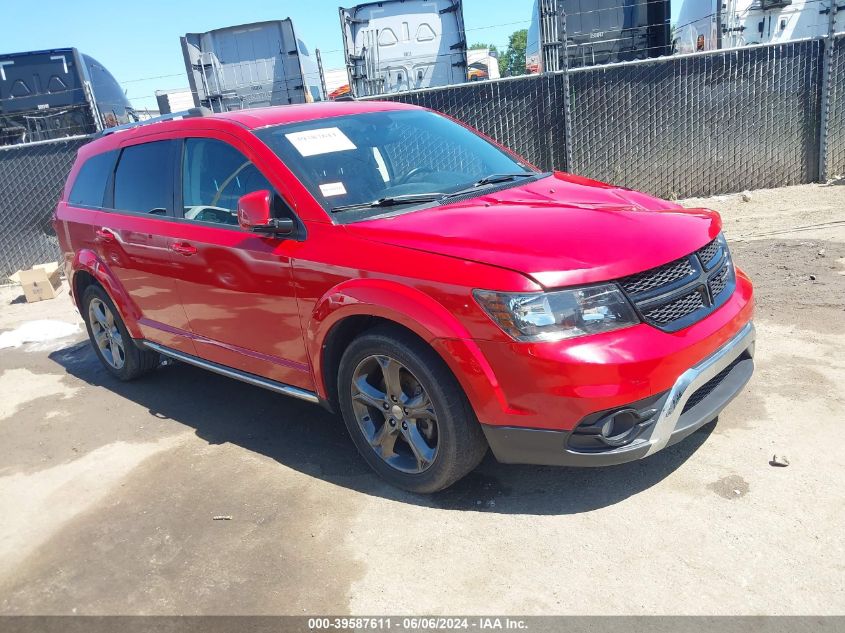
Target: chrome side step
pixel 229 372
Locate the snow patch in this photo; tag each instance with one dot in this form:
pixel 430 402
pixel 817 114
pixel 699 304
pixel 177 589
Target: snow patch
pixel 42 331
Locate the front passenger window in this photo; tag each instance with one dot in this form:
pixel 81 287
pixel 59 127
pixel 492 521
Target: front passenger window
pixel 214 176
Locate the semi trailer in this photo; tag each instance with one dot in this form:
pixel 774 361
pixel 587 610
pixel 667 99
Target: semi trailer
pixel 57 93
pixel 704 25
pixel 398 45
pixel 251 66
pixel 590 32
pixel 482 63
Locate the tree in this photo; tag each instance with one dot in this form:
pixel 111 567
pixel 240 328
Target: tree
pixel 512 63
pixel 478 45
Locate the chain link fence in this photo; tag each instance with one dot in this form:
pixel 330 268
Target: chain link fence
pixel 836 111
pixel 675 127
pixel 701 124
pixel 31 179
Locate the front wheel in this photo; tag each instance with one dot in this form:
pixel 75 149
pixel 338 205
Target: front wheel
pixel 406 413
pixel 111 340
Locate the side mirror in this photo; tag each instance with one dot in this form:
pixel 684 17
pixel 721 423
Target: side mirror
pixel 254 214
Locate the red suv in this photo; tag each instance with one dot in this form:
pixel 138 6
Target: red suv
pixel 431 286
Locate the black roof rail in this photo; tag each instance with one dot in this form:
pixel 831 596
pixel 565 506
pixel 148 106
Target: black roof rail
pixel 184 114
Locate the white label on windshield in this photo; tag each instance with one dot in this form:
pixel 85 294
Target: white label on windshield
pixel 333 189
pixel 323 141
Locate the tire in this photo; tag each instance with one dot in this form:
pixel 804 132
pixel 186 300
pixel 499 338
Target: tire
pixel 421 453
pixel 110 339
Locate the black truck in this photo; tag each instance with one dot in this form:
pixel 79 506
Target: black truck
pixel 594 32
pixel 57 93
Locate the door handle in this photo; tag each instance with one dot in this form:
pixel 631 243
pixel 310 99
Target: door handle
pixel 104 235
pixel 183 248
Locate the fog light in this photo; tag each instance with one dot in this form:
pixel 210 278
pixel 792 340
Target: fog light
pixel 619 427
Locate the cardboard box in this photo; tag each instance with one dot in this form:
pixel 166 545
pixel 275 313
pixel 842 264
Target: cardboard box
pixel 40 282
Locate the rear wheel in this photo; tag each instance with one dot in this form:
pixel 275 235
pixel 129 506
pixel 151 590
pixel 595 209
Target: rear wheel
pixel 111 340
pixel 406 413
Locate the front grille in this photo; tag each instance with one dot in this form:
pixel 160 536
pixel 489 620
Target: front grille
pixel 676 295
pixel 707 388
pixel 677 309
pixel 718 281
pixel 707 253
pixel 660 276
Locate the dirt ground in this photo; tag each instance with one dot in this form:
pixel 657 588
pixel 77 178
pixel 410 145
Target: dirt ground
pixel 108 491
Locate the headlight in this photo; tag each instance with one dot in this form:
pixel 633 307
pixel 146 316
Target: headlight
pixel 562 314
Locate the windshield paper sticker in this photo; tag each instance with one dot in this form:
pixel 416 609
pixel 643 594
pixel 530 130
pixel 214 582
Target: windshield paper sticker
pixel 323 141
pixel 333 189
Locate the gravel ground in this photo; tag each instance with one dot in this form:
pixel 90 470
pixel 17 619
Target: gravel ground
pixel 108 491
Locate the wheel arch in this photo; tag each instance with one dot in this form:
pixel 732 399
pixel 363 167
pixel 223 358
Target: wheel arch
pixel 352 308
pixel 88 269
pixel 339 337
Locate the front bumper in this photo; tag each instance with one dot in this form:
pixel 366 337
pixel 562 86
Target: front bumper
pixel 720 377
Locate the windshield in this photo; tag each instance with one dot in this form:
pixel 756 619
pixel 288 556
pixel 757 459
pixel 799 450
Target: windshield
pixel 350 162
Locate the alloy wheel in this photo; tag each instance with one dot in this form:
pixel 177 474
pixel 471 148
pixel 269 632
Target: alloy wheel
pixel 107 335
pixel 395 414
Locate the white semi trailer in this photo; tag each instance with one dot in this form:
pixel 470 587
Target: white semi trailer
pixel 704 25
pixel 482 63
pixel 251 66
pixel 398 45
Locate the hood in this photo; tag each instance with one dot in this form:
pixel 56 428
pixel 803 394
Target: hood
pixel 561 230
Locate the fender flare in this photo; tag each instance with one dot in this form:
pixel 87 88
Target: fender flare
pixel 410 308
pixel 88 261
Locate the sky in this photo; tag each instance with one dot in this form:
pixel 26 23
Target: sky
pixel 140 46
pixel 676 8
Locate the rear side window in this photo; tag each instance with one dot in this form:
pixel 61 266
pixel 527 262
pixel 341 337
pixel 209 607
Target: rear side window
pixel 143 182
pixel 90 184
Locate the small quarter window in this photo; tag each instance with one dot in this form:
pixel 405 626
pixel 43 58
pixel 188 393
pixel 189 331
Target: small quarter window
pixel 90 185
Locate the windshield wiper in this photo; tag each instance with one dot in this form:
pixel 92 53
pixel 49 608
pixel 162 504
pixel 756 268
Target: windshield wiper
pixel 419 198
pixel 390 201
pixel 493 179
